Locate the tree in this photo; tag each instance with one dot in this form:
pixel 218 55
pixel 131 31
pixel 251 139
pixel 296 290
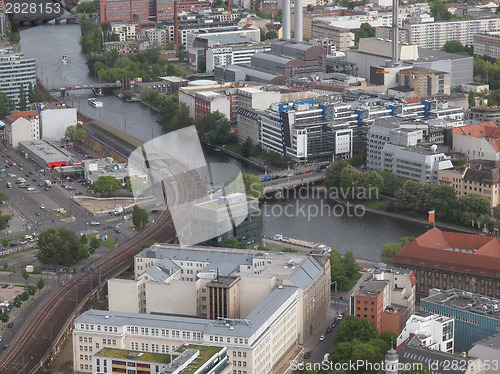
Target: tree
pixel 80 135
pixel 390 250
pixel 139 217
pixel 25 274
pixel 471 206
pixel 84 239
pixel 252 185
pixel 202 66
pixel 94 244
pixel 272 35
pixel 5 266
pixel 7 105
pixel 332 174
pixel 23 100
pixel 365 31
pixel 5 317
pixel 392 182
pixel 4 220
pixel 60 246
pixel 5 243
pixel 107 184
pixel 17 302
pixel 349 263
pixel 70 132
pixel 440 12
pixel 353 328
pixel 32 94
pixel 40 284
pixel 471 99
pixel 246 148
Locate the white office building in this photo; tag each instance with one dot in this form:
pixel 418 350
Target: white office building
pixel 434 331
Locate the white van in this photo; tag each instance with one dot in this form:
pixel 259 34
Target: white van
pixel 9 185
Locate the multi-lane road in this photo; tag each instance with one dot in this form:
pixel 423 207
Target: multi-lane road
pixel 34 343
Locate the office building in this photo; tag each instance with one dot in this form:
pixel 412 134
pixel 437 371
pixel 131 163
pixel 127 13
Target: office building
pixel 156 37
pixel 194 24
pixel 202 102
pixel 123 10
pixel 435 34
pixel 341 37
pixel 478 141
pixel 484 114
pixel 165 8
pixel 372 56
pixel 125 31
pixel 264 341
pixel 300 129
pixel 16 70
pixel 434 331
pixel 186 359
pixel 476 317
pixel 183 275
pixel 441 259
pixel 397 147
pixel 385 32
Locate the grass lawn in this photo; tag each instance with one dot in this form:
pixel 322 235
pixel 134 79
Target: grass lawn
pixel 110 243
pixel 352 281
pixel 61 215
pixel 378 205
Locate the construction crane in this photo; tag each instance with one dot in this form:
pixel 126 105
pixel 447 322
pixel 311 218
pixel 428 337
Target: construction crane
pixel 409 73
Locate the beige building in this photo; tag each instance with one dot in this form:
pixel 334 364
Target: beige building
pixel 341 36
pixel 18 130
pixel 480 141
pixel 263 342
pixel 169 279
pixel 479 177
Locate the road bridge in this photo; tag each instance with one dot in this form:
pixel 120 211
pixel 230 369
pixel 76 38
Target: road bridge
pixel 89 86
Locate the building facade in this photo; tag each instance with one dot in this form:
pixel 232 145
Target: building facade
pixel 435 34
pixel 264 342
pixel 478 141
pixel 487 44
pixel 434 331
pixel 445 260
pixel 16 70
pixel 476 318
pixel 123 10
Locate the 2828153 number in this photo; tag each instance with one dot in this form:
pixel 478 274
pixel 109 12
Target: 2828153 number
pixel 32 8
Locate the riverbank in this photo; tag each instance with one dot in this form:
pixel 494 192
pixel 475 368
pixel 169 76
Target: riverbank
pixel 402 217
pixel 251 161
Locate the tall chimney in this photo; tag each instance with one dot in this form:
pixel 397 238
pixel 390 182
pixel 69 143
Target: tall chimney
pixel 176 29
pixel 298 11
pixel 285 19
pixel 395 33
pixel 228 10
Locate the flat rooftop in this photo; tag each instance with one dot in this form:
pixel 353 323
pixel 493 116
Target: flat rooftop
pixel 45 150
pixel 126 354
pixel 465 301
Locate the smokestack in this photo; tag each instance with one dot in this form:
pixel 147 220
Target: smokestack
pixel 395 33
pixel 176 29
pixel 298 11
pixel 285 19
pixel 229 10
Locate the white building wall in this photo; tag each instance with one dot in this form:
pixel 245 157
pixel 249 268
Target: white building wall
pixel 188 100
pixel 176 297
pixel 123 295
pixel 474 148
pixel 18 131
pixel 252 291
pixel 430 331
pixel 222 105
pixel 53 122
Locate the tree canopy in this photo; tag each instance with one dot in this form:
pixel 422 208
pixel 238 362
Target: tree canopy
pixel 390 250
pixel 60 246
pixel 139 216
pixel 107 185
pixel 7 105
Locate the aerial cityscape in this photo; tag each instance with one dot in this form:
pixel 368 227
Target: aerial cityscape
pixel 249 187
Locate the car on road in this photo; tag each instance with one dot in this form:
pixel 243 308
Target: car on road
pixel 10 286
pixel 321 338
pixel 329 329
pixel 125 217
pixel 340 316
pixel 118 231
pixel 11 175
pixel 30 188
pixel 38 213
pixel 46 188
pixel 10 325
pixel 42 207
pixel 5 285
pixel 335 323
pixel 95 223
pixel 307 355
pixel 21 169
pixel 1 338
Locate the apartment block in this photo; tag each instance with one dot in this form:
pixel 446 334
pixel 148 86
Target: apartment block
pixel 484 114
pixel 434 35
pixel 480 177
pixel 476 317
pixel 341 37
pixel 385 32
pixel 157 37
pixel 203 102
pixel 32 116
pixel 487 44
pixel 444 260
pixel 434 331
pixel 165 8
pixel 15 70
pixel 125 31
pixel 264 341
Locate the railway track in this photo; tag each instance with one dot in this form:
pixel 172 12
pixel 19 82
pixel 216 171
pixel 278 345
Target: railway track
pixel 34 344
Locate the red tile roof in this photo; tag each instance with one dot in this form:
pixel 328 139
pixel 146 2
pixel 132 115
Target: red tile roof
pixel 479 130
pixel 434 249
pixel 412 100
pixel 24 114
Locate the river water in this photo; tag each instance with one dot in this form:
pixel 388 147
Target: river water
pixel 309 218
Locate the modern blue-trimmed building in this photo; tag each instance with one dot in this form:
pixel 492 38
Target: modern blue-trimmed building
pixel 476 317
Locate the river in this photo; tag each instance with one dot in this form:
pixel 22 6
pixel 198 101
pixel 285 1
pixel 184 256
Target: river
pixel 364 235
